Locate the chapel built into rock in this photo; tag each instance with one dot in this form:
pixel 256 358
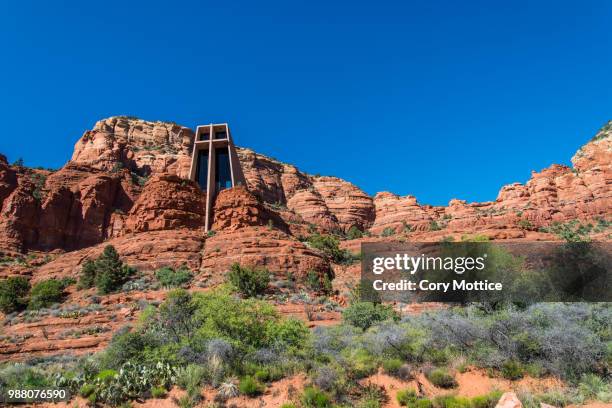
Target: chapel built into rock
pixel 214 163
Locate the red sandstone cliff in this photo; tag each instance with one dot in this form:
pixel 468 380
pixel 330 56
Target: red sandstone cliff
pixel 125 179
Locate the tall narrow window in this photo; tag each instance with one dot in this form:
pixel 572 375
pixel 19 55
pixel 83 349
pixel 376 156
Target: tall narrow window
pixel 223 175
pixel 202 176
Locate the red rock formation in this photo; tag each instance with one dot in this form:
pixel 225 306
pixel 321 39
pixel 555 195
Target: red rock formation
pixel 98 195
pixel 250 234
pixel 142 146
pixel 145 251
pixel 167 202
pixel 8 179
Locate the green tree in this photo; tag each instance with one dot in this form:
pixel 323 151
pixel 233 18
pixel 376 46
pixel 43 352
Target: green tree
pixel 107 272
pixel 330 246
pixel 13 293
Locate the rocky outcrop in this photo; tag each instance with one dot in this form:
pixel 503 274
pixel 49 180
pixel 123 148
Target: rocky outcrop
pixel 247 232
pixel 138 145
pixel 398 214
pixel 327 202
pixel 8 179
pixel 167 202
pixel 145 251
pixel 509 400
pixel 237 208
pixel 350 205
pixel 265 247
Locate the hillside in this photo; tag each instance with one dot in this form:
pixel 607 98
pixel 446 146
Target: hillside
pixel 126 186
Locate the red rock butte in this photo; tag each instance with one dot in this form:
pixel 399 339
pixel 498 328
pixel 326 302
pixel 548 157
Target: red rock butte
pixel 139 186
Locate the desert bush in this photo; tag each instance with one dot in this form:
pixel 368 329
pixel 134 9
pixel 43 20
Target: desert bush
pixel 366 314
pixel 489 400
pixel 387 232
pixel 125 346
pixel 593 387
pixel 392 340
pixel 46 293
pixel 392 366
pixel 190 377
pixel 441 378
pixel 312 397
pixel 451 401
pixel 22 376
pixel 158 392
pixel 288 333
pixel 330 246
pixel 512 370
pixel 325 378
pixel 354 233
pixel 250 387
pixel 407 397
pixel 329 342
pixel 250 282
pixel 176 314
pixel 245 324
pixel 13 293
pixel 319 283
pixel 107 273
pixel 170 278
pixel 566 340
pixel 360 363
pixel 228 389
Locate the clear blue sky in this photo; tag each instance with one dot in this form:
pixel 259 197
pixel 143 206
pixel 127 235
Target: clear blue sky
pixel 439 99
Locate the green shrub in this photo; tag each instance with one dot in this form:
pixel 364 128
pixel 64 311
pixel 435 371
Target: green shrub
pixel 592 387
pixel 86 390
pixel 312 397
pixel 290 333
pixel 366 314
pixel 330 246
pixel 362 363
pixel 46 293
pixel 354 233
pixel 407 397
pixel 441 378
pixel 107 272
pixel 288 405
pixel 250 387
pixel 249 281
pixel 387 232
pixel 158 392
pixel 190 377
pixel 512 370
pixel 22 376
pixel 451 401
pixel 489 400
pixel 125 346
pixel 434 226
pixel 423 403
pixel 170 278
pixel 392 366
pixel 13 293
